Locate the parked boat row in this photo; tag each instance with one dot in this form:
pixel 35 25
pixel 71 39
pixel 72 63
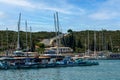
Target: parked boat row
pixel 45 62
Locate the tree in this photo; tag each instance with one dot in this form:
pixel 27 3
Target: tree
pixel 70 40
pixel 70 31
pixel 79 44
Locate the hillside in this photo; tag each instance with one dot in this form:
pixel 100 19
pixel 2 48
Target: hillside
pixel 105 40
pixel 12 38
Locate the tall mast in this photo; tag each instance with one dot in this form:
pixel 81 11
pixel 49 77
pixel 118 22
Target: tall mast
pixel 26 35
pixel 55 27
pixel 102 40
pixel 85 47
pixel 94 43
pixel 30 38
pixel 57 19
pixel 1 42
pixel 58 30
pixel 55 23
pixel 111 43
pixel 88 42
pixel 7 41
pixel 99 41
pixel 7 37
pixel 18 42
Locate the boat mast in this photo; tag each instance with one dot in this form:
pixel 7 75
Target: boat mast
pixel 85 47
pixel 18 42
pixel 102 40
pixel 94 43
pixel 1 42
pixel 55 27
pixel 99 41
pixel 56 23
pixel 7 41
pixel 7 37
pixel 58 31
pixel 88 43
pixel 30 38
pixel 26 35
pixel 111 43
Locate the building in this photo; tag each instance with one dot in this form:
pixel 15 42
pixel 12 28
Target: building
pixel 60 49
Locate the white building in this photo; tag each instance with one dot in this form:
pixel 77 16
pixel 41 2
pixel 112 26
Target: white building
pixel 60 49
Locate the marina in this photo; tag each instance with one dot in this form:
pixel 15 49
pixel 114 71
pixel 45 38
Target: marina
pixel 59 40
pixel 21 60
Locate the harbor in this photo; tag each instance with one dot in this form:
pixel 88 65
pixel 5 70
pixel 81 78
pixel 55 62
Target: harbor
pixel 27 63
pixel 59 40
pixel 52 57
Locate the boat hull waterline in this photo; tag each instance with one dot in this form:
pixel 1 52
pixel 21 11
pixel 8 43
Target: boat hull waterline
pixel 51 65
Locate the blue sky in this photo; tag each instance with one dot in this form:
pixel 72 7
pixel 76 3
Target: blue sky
pixel 73 14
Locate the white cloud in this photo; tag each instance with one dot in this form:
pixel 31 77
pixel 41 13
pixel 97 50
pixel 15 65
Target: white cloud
pixel 23 3
pixel 60 6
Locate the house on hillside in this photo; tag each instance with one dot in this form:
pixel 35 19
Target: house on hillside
pixel 60 49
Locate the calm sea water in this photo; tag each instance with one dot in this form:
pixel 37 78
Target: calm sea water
pixel 107 70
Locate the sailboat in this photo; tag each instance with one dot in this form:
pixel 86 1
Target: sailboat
pixel 57 31
pixel 7 42
pixel 94 56
pixel 30 38
pixel 55 52
pixel 87 53
pixel 28 48
pixel 18 51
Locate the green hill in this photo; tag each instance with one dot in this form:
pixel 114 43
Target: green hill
pixel 12 38
pixel 105 40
